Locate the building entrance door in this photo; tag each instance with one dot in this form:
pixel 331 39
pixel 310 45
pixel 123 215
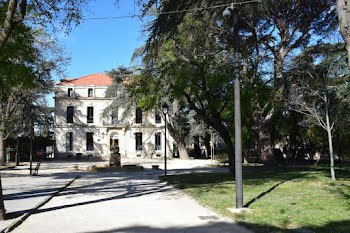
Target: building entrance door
pixel 114 142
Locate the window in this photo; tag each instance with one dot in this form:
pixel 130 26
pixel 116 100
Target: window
pixel 90 92
pixel 157 141
pixel 90 141
pixel 69 141
pixel 90 114
pixel 114 116
pixel 138 115
pixel 70 92
pixel 138 137
pixel 157 116
pixel 70 114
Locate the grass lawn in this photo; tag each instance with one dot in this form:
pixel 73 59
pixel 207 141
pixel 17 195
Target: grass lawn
pixel 298 197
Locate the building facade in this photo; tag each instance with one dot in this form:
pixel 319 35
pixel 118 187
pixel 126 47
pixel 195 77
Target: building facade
pixel 81 128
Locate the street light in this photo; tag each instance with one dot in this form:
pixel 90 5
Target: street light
pixel 165 109
pixel 238 128
pixel 227 12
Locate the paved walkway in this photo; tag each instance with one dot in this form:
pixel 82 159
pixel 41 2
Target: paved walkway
pixel 121 201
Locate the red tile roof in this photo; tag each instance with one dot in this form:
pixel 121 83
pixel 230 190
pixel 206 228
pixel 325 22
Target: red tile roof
pixel 92 79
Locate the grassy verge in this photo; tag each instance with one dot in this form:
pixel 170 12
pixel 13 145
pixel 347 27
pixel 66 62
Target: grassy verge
pixel 300 197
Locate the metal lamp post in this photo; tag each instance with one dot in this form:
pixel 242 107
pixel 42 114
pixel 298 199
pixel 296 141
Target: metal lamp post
pixel 238 130
pixel 165 108
pixel 31 138
pixel 17 148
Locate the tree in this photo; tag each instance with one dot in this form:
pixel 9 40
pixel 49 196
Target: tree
pixel 150 93
pixel 277 27
pixel 127 95
pixel 41 12
pixel 16 62
pixel 27 62
pixel 287 26
pixel 344 23
pixel 315 93
pixel 196 69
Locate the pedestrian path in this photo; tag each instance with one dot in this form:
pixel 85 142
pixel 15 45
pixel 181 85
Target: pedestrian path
pixel 23 192
pixel 124 202
pixel 113 201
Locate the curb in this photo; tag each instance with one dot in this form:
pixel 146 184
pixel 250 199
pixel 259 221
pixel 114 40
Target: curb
pixel 22 218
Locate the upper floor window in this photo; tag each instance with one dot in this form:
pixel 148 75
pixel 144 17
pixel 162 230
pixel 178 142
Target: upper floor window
pixel 138 115
pixel 70 114
pixel 138 138
pixel 114 116
pixel 89 141
pixel 70 92
pixel 90 114
pixel 90 92
pixel 157 141
pixel 158 119
pixel 69 141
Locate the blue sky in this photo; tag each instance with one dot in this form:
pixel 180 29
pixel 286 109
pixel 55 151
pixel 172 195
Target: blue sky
pixel 95 46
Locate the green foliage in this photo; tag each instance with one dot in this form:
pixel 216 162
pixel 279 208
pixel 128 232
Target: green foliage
pixel 320 79
pixel 289 199
pixel 17 59
pixel 118 91
pixel 191 56
pixel 65 13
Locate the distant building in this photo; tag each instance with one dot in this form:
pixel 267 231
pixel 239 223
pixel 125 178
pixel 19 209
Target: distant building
pixel 81 128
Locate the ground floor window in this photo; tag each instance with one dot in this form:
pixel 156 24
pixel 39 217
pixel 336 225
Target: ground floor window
pixel 138 138
pixel 157 142
pixel 89 141
pixel 69 141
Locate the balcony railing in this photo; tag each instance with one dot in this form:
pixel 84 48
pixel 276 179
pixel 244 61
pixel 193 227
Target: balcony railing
pixel 114 122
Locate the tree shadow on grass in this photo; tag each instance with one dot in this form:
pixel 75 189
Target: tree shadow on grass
pixel 258 175
pixel 331 227
pixel 251 176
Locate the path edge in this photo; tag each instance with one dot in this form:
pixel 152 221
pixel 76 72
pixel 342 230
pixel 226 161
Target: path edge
pixel 22 218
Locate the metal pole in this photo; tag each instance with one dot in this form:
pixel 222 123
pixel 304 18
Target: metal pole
pixel 238 131
pixel 31 141
pixel 16 156
pixel 211 148
pixel 165 147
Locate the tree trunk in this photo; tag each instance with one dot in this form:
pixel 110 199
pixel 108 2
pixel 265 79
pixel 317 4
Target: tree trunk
pixel 2 149
pixel 182 150
pixel 11 20
pixel 330 143
pixel 318 158
pixel 344 23
pixel 175 134
pixel 197 147
pixel 2 206
pixel 265 143
pixel 2 162
pixel 263 124
pixel 207 145
pixel 347 45
pixel 230 153
pixel 180 143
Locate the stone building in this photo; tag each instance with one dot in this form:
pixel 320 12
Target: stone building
pixel 81 128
